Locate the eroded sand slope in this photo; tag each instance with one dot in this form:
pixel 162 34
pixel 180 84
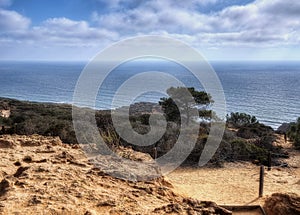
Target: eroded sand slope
pixel 41 175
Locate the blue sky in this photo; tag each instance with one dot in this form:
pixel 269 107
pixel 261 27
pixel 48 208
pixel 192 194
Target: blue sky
pixel 71 30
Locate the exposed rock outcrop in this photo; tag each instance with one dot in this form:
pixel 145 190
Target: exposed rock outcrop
pixel 5 113
pixel 283 203
pixel 283 128
pixel 41 175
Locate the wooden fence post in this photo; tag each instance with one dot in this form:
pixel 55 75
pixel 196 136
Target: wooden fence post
pixel 261 180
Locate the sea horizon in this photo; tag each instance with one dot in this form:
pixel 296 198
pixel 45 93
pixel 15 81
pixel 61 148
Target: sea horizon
pixel 266 89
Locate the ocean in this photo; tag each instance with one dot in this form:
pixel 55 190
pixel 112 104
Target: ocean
pixel 268 90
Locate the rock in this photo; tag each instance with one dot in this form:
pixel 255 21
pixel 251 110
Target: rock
pixel 190 206
pixel 4 185
pixel 17 163
pixel 107 202
pixel 27 159
pixel 41 161
pixel 34 200
pixel 283 129
pixel 283 203
pixel 5 113
pixel 20 171
pixel 65 155
pixel 31 142
pixel 56 141
pixel 5 143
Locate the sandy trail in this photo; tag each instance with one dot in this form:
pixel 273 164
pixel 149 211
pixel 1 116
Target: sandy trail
pixel 238 183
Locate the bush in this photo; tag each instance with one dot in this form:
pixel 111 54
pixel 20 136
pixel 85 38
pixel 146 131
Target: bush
pixel 252 140
pixel 241 150
pixel 254 131
pixel 241 119
pixel 39 118
pixel 294 133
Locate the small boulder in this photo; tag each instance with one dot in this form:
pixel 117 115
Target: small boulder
pixel 20 171
pixel 283 128
pixel 4 186
pixel 6 143
pixel 27 159
pixel 283 203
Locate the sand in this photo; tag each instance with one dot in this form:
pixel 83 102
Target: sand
pixel 41 175
pixel 238 183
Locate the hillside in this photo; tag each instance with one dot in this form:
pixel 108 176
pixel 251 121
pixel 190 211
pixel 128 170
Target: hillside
pixel 246 143
pixel 41 175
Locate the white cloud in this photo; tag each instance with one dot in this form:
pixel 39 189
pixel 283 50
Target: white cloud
pixel 71 32
pixel 65 24
pixel 62 32
pixel 260 24
pixel 12 21
pixel 153 16
pixel 279 7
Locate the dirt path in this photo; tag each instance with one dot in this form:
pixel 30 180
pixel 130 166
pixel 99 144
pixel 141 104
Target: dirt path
pixel 238 183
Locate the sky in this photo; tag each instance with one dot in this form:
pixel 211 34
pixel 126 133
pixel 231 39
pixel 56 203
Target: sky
pixel 76 30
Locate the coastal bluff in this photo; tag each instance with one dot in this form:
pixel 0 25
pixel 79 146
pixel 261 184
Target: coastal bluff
pixel 42 175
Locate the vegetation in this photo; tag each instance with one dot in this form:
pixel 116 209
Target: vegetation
pixel 294 133
pixel 179 99
pixel 39 118
pixel 250 140
pixel 241 119
pixel 249 151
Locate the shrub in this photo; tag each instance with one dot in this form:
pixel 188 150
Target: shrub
pixel 110 137
pixel 241 150
pixel 241 119
pixel 294 133
pixel 254 131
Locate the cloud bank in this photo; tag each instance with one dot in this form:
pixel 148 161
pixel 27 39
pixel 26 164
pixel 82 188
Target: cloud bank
pixel 262 24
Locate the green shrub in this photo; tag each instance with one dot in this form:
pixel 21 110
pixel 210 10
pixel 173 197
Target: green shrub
pixel 294 133
pixel 254 130
pixel 242 150
pixel 56 120
pixel 241 119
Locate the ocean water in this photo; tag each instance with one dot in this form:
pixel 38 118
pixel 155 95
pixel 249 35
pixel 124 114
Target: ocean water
pixel 268 90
